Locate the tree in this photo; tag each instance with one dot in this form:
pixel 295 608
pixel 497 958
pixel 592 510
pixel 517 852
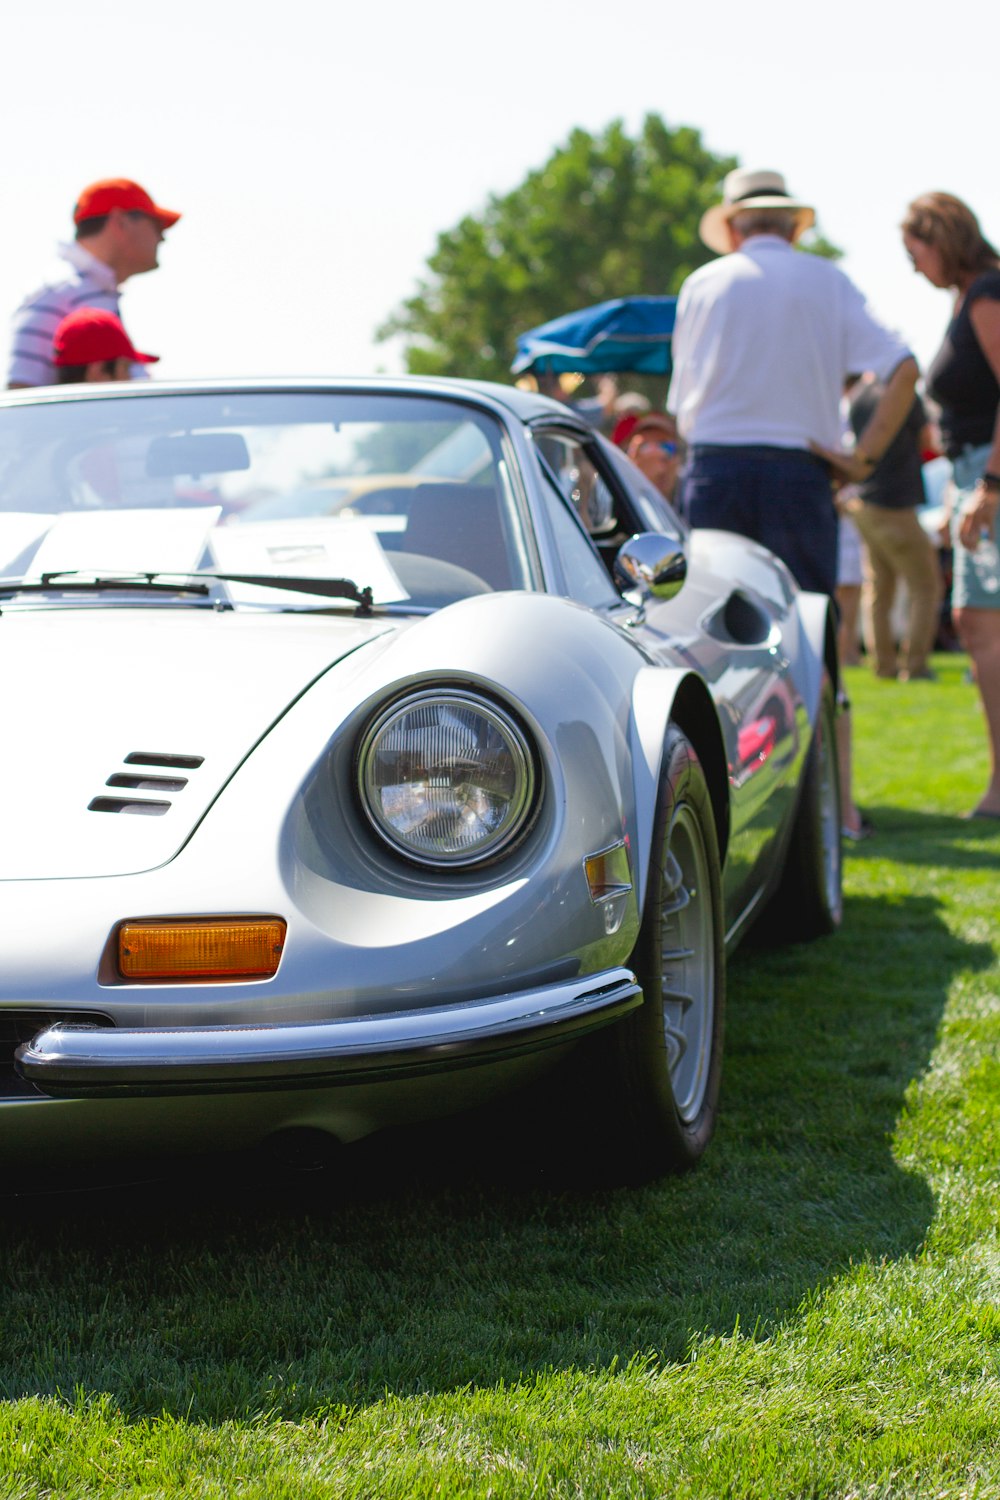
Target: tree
pixel 606 216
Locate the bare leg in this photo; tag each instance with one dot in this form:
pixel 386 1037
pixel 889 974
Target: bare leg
pixel 852 822
pixel 979 632
pixel 848 602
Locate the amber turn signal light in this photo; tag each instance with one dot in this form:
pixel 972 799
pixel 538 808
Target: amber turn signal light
pixel 200 948
pixel 608 873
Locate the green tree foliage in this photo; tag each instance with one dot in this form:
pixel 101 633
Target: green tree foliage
pixel 606 216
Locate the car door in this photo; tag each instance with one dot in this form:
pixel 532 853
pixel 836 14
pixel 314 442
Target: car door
pixel 727 623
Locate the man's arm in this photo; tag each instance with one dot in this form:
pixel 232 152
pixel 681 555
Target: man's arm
pixel 891 411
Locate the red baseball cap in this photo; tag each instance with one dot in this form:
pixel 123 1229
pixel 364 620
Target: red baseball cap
pixel 624 428
pixel 93 334
pixel 118 192
pixel 655 421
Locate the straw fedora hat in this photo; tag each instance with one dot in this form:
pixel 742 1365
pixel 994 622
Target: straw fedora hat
pixel 743 189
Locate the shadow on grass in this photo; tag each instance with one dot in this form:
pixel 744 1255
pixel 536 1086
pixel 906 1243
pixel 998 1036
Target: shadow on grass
pixel 469 1252
pixel 907 836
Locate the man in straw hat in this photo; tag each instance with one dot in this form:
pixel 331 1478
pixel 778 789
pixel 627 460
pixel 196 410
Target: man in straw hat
pixel 764 340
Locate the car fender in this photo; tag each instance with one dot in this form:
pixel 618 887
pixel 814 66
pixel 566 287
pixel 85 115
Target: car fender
pixel 659 696
pixel 567 675
pixel 818 650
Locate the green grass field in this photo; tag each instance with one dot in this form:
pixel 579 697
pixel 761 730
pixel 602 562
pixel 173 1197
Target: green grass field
pixel 815 1312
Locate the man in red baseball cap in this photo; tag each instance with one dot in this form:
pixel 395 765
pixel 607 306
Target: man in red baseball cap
pixel 91 345
pixel 119 228
pixel 101 198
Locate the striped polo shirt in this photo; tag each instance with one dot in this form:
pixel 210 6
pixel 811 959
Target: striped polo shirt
pixel 82 281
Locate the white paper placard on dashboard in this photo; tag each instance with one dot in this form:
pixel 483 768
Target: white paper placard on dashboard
pixel 127 541
pixel 310 548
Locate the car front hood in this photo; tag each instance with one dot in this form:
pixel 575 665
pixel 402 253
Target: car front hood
pixel 95 695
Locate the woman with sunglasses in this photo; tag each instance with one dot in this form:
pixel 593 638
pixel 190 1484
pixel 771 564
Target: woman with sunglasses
pixel 652 447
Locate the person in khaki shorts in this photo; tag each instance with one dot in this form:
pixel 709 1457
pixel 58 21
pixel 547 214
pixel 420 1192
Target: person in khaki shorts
pixel 896 546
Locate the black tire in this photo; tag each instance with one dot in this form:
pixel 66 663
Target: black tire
pixel 809 901
pixel 663 1062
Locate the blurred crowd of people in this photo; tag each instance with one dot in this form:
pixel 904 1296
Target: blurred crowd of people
pixel 792 417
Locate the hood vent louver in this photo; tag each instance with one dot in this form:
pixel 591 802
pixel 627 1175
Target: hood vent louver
pixel 148 781
pixel 129 805
pixel 156 758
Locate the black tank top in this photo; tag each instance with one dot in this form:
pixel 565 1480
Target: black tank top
pixel 960 379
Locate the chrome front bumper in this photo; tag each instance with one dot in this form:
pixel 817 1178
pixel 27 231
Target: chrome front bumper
pixel 68 1061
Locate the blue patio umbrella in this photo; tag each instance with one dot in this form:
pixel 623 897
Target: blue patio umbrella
pixel 629 333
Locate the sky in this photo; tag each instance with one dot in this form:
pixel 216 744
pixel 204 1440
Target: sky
pixel 316 152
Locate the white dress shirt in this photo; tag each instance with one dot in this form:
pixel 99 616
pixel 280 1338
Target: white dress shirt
pixel 763 342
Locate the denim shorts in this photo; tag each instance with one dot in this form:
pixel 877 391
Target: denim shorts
pixel 975 575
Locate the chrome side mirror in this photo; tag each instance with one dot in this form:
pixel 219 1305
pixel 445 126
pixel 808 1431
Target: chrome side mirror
pixel 654 564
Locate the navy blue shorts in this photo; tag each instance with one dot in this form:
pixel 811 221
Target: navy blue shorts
pixel 780 497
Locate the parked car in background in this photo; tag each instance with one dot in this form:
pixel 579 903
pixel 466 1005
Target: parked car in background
pixel 332 817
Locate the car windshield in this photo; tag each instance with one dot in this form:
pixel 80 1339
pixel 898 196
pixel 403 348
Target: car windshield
pixel 408 496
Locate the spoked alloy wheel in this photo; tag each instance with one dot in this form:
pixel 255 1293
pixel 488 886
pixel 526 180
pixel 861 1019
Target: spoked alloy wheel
pixel 687 964
pixel 829 816
pixel 665 1058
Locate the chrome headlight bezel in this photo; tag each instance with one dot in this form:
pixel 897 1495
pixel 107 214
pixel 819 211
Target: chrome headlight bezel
pixel 498 721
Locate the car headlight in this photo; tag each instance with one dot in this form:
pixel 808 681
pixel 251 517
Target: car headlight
pixel 446 778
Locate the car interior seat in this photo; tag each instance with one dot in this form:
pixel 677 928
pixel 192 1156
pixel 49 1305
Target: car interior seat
pixel 460 524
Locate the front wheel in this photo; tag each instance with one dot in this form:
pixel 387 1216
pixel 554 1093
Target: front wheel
pixel 665 1059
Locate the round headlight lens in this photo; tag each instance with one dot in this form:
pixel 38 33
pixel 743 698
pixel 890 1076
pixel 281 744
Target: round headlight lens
pixel 446 778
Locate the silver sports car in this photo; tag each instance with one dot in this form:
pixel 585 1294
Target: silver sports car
pixel 371 747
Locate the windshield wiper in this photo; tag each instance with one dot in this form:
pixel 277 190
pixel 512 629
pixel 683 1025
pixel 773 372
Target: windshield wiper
pixel 70 581
pixel 326 588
